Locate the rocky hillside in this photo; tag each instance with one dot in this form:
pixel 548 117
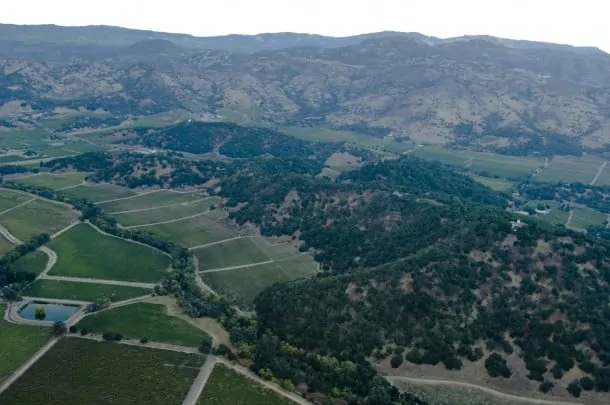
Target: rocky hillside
pixel 478 92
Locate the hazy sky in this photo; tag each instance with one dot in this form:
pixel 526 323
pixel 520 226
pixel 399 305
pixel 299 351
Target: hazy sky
pixel 576 22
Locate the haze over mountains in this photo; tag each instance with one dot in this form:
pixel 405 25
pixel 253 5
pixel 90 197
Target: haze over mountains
pixel 479 92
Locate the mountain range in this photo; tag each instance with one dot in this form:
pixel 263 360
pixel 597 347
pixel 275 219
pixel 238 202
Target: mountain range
pixel 477 91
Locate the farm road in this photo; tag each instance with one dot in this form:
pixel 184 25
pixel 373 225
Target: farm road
pixel 18 205
pixel 200 382
pixel 161 206
pixel 100 281
pixel 525 400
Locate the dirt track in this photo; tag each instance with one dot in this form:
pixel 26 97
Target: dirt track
pixel 525 400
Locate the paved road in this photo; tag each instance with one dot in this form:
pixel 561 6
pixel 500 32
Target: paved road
pixel 490 391
pixel 200 382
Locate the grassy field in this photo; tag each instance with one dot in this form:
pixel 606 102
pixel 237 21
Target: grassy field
pixel 276 251
pixel 193 232
pixel 143 319
pixel 99 192
pixel 246 283
pixel 448 395
pixel 555 217
pixel 585 217
pixel 232 253
pixel 82 291
pixel 17 344
pixel 5 246
pixel 570 169
pixel 37 217
pixel 79 371
pixel 493 164
pixel 152 200
pixel 168 213
pixel 33 262
pixel 54 181
pixel 227 387
pixel 84 252
pixel 10 199
pixel 494 184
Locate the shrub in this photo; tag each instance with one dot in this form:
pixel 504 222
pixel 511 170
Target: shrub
pixel 574 388
pixel 587 383
pixel 396 360
pixel 112 336
pixel 496 366
pixel 546 386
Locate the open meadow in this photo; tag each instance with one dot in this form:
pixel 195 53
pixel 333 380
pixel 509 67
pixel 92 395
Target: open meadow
pixel 33 262
pixel 192 232
pixel 570 169
pixel 82 291
pixel 84 252
pixel 187 209
pixel 228 387
pixel 584 217
pixel 244 284
pixel 10 199
pixel 37 216
pixel 79 371
pixel 137 320
pixel 150 200
pixel 18 343
pixel 230 253
pixel 5 245
pixel 555 216
pixel 99 192
pixel 506 167
pixel 54 181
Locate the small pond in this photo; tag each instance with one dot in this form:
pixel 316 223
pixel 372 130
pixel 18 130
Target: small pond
pixel 51 312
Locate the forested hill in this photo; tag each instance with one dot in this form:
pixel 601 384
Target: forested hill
pixel 231 140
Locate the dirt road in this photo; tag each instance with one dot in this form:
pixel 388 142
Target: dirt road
pixel 241 266
pixel 100 281
pixel 25 366
pixel 200 382
pixel 490 391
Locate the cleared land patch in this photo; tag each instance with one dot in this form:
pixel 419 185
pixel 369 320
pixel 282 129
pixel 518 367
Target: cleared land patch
pixel 556 216
pixel 79 371
pixel 143 319
pixel 33 262
pixel 494 184
pixel 9 199
pixel 193 231
pixel 54 181
pixel 228 387
pixel 37 217
pixel 231 253
pixel 82 291
pixel 488 163
pixel 99 192
pixel 153 215
pixel 244 284
pixel 570 169
pixel 84 252
pixel 584 217
pixel 17 344
pixel 151 200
